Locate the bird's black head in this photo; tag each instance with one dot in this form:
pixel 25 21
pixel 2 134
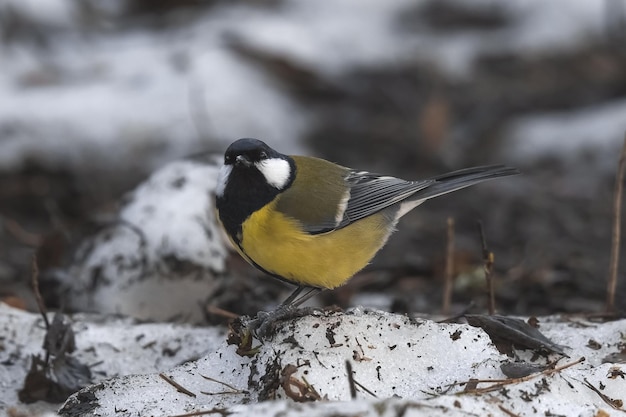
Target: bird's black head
pixel 248 152
pixel 253 175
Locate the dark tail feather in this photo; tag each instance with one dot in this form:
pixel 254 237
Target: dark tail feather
pixel 456 180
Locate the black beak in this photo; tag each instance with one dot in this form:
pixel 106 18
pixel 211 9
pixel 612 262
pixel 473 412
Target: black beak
pixel 242 160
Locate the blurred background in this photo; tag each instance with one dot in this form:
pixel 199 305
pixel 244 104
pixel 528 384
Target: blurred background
pixel 96 95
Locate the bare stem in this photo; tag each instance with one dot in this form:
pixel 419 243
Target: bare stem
pixel 449 272
pixel 488 260
pixel 38 297
pixel 615 244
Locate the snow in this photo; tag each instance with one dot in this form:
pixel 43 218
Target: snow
pixel 127 346
pixel 392 356
pixel 599 130
pixel 136 96
pixel 414 365
pixel 57 13
pixel 537 28
pixel 164 245
pixel 559 24
pixel 130 101
pixel 331 37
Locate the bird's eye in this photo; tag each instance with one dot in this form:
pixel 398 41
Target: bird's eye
pixel 263 155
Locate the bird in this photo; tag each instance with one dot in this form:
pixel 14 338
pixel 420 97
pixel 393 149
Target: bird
pixel 313 223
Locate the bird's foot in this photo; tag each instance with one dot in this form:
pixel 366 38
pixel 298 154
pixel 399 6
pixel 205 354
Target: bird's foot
pixel 262 327
pixel 265 323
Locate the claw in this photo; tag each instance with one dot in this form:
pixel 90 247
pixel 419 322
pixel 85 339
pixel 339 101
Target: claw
pixel 264 324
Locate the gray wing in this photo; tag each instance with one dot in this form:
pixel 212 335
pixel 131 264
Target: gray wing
pixel 371 193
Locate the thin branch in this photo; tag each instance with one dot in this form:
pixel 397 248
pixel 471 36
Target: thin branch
pixel 449 273
pixel 176 385
pixel 488 259
pixel 508 412
pixel 221 411
pixel 38 297
pixel 615 244
pixel 358 384
pixel 499 383
pixel 351 380
pixel 615 404
pixel 235 390
pixel 20 234
pixel 215 310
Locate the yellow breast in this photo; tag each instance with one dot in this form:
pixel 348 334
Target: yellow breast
pixel 278 244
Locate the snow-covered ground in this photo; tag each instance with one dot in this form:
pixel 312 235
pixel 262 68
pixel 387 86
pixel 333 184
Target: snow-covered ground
pixel 130 347
pixel 398 364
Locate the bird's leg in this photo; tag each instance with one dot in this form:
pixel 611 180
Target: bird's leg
pixel 311 292
pixel 292 296
pixel 288 309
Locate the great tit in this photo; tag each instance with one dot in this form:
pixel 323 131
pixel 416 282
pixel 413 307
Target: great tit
pixel 313 223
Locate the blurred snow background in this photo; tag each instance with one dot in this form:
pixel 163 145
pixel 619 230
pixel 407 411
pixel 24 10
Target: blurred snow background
pixel 99 85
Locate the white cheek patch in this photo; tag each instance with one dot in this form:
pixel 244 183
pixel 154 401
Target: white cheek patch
pixel 276 172
pixel 222 179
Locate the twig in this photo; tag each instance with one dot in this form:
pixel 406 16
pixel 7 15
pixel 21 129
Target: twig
pixel 488 259
pixel 35 283
pixel 221 411
pixel 176 385
pixel 351 380
pixel 615 404
pixel 499 383
pixel 358 384
pixel 235 390
pixel 52 209
pixel 617 211
pixel 447 285
pixel 20 234
pixel 507 411
pixel 311 388
pixel 359 356
pixel 211 309
pixel 223 393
